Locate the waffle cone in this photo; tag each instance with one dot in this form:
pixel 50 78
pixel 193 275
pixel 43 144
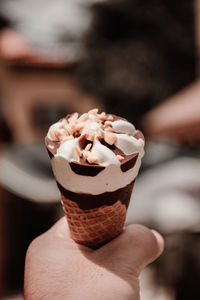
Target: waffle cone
pixel 95 226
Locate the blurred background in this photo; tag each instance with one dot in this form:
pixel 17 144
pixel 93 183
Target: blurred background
pixel 138 59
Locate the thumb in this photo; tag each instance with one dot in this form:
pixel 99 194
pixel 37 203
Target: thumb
pixel 136 247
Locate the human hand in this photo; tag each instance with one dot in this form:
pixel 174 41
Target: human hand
pixel 58 268
pixel 177 118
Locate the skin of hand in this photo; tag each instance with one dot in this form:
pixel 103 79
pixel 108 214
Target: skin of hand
pixel 58 268
pixel 177 118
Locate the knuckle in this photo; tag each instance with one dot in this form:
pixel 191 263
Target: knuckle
pixel 33 248
pixel 143 237
pixel 138 233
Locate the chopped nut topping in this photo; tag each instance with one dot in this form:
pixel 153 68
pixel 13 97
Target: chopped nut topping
pixel 73 117
pixel 90 135
pixel 102 116
pixel 110 138
pixel 78 151
pixel 85 153
pixel 120 157
pixel 93 111
pixel 63 123
pixel 67 138
pixel 87 127
pixel 107 124
pixel 141 142
pixel 79 126
pixel 68 129
pixel 110 118
pixel 88 147
pixel 83 117
pixel 52 135
pixel 73 128
pixel 100 133
pixel 92 158
pixel 55 135
pixel 108 129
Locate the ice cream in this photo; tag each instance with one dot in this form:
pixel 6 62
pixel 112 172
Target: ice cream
pixel 95 159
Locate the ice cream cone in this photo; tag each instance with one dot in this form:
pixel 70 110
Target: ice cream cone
pixel 95 160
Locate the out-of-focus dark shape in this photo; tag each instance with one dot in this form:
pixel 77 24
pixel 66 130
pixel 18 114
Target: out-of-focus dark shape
pixel 139 53
pixel 179 265
pixel 197 34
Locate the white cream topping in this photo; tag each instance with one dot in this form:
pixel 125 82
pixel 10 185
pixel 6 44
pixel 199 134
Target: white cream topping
pixel 94 126
pixel 68 151
pixel 128 144
pixel 108 180
pixel 105 155
pixel 123 126
pixel 91 116
pixel 55 126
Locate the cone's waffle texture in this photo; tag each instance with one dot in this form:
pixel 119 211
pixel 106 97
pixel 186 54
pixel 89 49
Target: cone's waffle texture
pixel 97 226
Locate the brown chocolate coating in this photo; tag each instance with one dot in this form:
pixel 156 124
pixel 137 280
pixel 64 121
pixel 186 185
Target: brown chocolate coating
pixel 86 169
pixel 129 162
pixel 88 201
